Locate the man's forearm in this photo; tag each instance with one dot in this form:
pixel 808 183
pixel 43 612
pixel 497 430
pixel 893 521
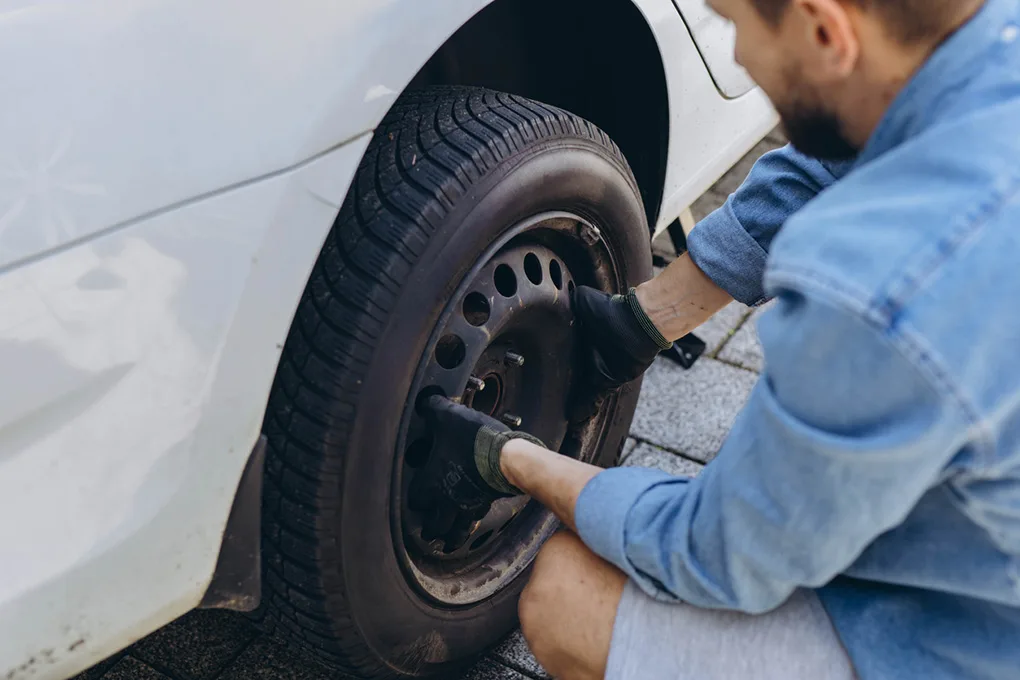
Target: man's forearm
pixel 677 301
pixel 681 298
pixel 552 479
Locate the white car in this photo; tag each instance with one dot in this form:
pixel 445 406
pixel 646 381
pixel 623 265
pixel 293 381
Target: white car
pixel 239 238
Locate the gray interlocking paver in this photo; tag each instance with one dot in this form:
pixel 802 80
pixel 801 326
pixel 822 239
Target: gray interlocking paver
pixel 491 670
pixel 743 348
pixel 691 411
pixel 648 456
pixel 514 652
pixel 628 447
pixel 129 668
pixel 267 659
pixel 99 670
pixel 722 325
pixel 198 645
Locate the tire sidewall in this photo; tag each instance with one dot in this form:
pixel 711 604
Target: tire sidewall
pixel 403 627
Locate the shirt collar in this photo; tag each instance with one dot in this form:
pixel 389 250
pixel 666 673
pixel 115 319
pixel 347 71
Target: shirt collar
pixel 945 70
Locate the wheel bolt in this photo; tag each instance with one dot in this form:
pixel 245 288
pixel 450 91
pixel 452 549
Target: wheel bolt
pixel 476 384
pixel 513 359
pixel 511 420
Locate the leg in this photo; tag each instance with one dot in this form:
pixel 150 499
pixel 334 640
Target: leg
pixel 581 616
pixel 568 608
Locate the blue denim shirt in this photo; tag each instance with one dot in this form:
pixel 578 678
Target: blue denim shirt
pixel 878 458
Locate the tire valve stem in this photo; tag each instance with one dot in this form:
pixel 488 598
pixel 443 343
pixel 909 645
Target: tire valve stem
pixel 513 359
pixel 512 420
pixel 476 384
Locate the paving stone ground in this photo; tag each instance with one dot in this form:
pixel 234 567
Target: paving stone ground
pixel 681 421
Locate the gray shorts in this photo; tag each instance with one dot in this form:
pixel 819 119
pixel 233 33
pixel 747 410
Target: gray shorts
pixel 653 640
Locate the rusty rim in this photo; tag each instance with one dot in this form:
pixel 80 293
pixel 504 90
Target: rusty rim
pixel 504 345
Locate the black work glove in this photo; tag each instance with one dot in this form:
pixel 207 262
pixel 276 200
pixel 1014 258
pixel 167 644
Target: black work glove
pixel 462 476
pixel 621 343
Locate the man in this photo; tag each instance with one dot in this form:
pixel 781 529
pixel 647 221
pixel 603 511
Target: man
pixel 863 516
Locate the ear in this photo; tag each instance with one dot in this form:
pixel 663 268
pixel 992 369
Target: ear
pixel 830 31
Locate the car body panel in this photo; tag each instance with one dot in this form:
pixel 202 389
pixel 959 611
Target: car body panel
pixel 708 133
pixel 145 358
pixel 715 37
pixel 197 96
pixel 192 96
pixel 169 173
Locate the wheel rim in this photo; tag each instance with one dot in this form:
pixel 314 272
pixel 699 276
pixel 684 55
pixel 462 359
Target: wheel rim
pixel 504 345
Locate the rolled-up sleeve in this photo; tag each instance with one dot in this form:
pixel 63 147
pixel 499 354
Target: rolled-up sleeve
pixel 838 441
pixel 731 244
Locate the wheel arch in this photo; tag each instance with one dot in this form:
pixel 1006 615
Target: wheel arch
pixel 612 37
pixel 598 59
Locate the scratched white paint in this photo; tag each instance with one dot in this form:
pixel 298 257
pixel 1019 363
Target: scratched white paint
pixel 168 172
pixel 142 361
pixel 378 92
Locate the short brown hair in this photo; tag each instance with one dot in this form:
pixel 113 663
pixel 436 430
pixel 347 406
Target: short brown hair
pixel 909 20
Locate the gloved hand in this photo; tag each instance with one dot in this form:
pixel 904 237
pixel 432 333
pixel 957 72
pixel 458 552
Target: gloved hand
pixel 622 342
pixel 462 476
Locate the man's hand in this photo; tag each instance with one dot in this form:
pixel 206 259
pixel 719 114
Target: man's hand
pixel 462 476
pixel 622 342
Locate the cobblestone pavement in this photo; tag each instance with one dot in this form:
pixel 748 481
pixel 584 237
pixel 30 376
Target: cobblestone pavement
pixel 681 421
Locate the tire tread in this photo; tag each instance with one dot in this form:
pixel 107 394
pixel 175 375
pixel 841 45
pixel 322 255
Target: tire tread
pixel 427 153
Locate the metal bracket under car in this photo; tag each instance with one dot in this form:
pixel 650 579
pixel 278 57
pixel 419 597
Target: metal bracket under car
pixel 237 582
pixel 686 350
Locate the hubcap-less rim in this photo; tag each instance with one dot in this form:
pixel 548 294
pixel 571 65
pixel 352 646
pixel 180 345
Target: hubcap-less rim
pixel 504 346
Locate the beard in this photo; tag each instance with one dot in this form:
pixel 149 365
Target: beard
pixel 813 129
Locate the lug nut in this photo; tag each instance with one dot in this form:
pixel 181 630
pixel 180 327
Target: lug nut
pixel 476 384
pixel 511 420
pixel 513 359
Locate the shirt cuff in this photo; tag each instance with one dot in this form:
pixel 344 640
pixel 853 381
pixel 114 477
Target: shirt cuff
pixel 728 255
pixel 603 505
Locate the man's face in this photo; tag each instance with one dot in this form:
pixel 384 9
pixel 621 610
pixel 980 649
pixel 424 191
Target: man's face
pixel 779 58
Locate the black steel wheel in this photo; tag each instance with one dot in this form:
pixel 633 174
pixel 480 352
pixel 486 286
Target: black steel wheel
pixel 449 270
pixel 504 346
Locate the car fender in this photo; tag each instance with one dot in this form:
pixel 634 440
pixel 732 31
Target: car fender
pixel 142 360
pixel 130 107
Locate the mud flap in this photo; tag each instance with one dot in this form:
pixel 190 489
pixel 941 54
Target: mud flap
pixel 237 581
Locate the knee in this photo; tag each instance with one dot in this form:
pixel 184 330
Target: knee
pixel 567 608
pixel 544 589
pixel 547 571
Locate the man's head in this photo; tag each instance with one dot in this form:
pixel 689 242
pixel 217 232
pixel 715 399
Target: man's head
pixel 832 67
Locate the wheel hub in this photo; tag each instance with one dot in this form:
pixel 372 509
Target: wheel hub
pixel 505 347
